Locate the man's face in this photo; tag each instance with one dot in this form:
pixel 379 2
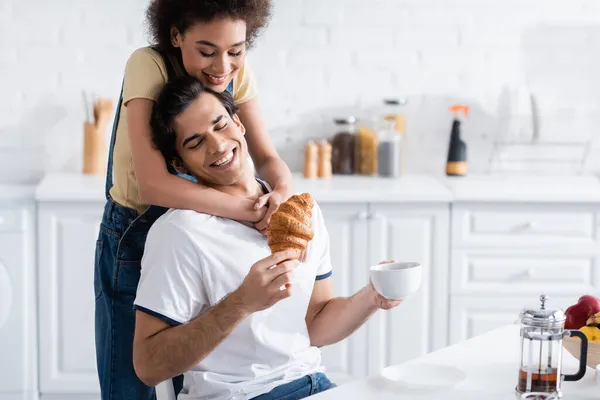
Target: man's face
pixel 210 143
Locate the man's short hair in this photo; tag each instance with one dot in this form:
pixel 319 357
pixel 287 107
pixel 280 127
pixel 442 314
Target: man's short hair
pixel 174 98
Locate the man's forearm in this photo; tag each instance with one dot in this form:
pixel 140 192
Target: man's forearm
pixel 340 317
pixel 174 351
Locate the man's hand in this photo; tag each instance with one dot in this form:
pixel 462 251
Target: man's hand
pixel 262 287
pixel 378 300
pixel 272 200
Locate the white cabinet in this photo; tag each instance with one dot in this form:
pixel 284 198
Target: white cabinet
pixel 17 301
pixel 504 256
pixel 365 234
pixel 473 316
pixel 406 232
pixel 67 237
pixel 348 235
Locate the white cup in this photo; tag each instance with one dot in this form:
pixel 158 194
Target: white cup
pixel 396 281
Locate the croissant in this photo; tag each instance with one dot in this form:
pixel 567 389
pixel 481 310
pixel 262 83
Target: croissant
pixel 290 226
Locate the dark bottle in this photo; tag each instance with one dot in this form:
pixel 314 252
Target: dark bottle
pixel 456 164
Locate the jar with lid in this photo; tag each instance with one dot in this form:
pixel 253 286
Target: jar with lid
pixel 393 109
pixel 367 143
pixel 344 147
pixel 389 150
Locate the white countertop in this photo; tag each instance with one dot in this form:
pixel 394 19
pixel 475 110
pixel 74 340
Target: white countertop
pixel 340 188
pixel 71 187
pixel 411 188
pixel 514 188
pixel 79 187
pixel 491 363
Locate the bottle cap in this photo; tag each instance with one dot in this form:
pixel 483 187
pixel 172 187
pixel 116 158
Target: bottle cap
pixel 460 108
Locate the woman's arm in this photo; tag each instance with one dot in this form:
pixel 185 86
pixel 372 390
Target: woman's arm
pixel 269 165
pixel 157 186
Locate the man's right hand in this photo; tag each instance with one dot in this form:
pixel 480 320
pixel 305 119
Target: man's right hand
pixel 262 287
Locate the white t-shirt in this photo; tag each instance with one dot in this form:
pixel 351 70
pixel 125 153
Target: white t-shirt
pixel 191 261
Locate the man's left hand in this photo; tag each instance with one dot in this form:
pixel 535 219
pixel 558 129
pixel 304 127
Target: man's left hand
pixel 272 200
pixel 378 300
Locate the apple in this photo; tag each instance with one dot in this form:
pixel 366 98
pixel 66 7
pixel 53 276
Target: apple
pixel 578 314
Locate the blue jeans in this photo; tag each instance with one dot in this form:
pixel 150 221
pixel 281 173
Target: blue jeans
pixel 119 251
pixel 299 389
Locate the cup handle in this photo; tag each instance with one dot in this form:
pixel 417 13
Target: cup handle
pixel 582 356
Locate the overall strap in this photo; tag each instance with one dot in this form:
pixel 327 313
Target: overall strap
pixel 109 168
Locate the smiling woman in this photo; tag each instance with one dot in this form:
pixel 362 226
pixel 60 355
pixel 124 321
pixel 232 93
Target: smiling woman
pixel 207 40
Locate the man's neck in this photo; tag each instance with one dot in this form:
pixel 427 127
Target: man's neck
pixel 247 187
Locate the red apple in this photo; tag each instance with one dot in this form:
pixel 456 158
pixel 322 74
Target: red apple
pixel 577 314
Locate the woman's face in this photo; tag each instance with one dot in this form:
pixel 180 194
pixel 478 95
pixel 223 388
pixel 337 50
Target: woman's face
pixel 213 51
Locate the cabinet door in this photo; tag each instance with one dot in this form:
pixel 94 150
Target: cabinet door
pixel 472 316
pixel 17 324
pixel 347 228
pixel 67 238
pixel 418 325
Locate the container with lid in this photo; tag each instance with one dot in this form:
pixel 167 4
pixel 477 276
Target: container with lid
pixel 393 110
pixel 542 332
pixel 367 143
pixel 389 150
pixel 344 147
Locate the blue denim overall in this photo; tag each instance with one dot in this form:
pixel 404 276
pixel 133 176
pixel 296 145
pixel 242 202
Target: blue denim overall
pixel 117 266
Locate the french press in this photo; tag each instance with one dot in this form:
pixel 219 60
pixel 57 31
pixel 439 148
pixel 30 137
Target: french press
pixel 542 333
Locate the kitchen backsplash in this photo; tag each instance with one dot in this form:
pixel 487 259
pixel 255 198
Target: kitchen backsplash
pixel 324 58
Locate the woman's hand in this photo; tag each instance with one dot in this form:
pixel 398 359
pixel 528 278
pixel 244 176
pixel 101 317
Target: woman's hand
pixel 272 201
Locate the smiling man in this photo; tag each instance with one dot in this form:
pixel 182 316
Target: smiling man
pixel 213 303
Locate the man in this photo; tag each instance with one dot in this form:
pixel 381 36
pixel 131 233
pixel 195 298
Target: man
pixel 213 303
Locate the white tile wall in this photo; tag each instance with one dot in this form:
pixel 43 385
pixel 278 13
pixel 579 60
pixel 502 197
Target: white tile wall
pixel 321 58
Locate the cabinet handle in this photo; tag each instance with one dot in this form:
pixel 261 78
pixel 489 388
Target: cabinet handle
pixel 522 276
pixel 376 216
pixel 530 225
pixel 362 216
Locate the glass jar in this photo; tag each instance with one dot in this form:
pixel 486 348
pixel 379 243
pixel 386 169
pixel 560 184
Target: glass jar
pixel 367 143
pixel 344 149
pixel 389 150
pixel 393 110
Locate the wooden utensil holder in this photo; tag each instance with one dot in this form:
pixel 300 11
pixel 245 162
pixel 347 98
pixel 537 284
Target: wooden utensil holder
pixel 94 149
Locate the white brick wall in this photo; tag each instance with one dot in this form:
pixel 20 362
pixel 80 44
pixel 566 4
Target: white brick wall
pixel 321 58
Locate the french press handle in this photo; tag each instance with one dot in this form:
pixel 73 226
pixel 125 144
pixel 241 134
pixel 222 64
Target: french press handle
pixel 582 355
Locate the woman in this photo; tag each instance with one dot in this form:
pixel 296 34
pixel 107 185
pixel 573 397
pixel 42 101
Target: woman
pixel 208 40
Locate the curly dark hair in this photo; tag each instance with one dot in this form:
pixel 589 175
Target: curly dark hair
pixel 175 97
pixel 162 15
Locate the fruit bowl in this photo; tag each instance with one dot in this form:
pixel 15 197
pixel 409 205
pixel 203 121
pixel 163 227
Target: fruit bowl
pixel 573 344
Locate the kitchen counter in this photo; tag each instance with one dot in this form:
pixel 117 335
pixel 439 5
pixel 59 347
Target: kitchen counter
pixel 348 189
pixel 491 363
pixel 515 188
pixel 71 187
pixel 352 189
pixel 17 192
pixel 79 187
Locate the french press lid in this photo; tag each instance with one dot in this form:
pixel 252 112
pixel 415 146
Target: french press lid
pixel 543 317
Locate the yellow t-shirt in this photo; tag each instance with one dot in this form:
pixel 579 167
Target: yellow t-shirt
pixel 145 75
